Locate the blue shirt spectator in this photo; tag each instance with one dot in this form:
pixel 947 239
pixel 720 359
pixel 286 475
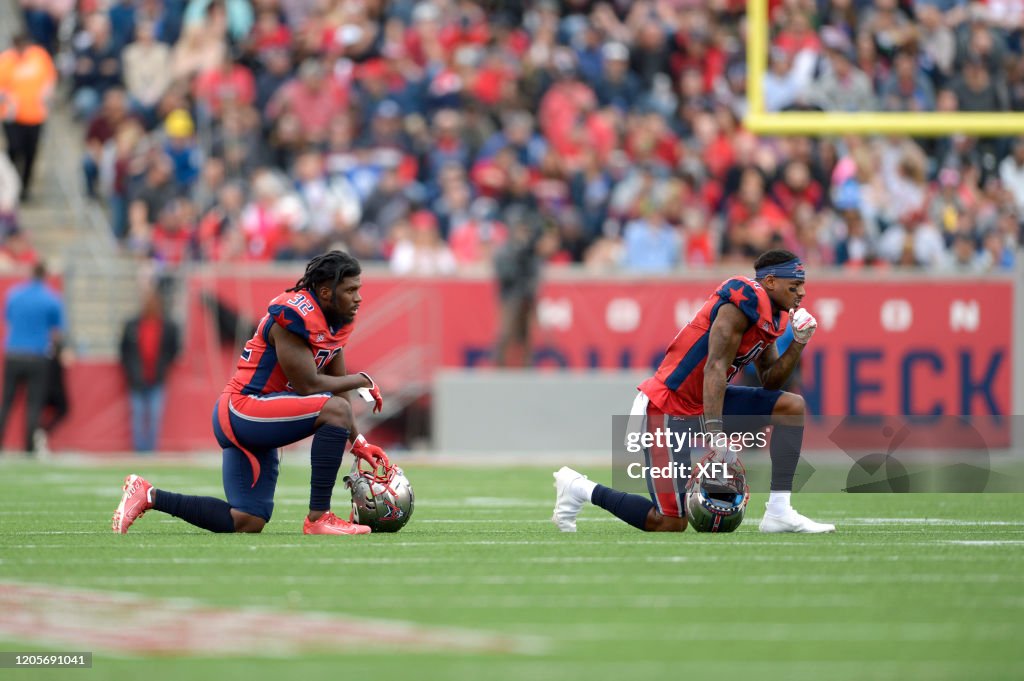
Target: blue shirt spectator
pixel 651 245
pixel 122 22
pixel 35 318
pixel 33 314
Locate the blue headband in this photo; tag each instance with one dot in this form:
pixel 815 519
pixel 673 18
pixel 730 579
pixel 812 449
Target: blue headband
pixel 791 269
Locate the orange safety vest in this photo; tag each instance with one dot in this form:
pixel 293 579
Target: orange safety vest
pixel 26 80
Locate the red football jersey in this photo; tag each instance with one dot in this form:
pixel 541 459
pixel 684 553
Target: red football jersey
pixel 678 385
pixel 259 372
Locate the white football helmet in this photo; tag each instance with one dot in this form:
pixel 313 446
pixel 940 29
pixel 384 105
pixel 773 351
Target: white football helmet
pixel 382 498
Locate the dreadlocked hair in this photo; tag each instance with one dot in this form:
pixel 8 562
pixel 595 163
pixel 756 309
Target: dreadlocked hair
pixel 332 266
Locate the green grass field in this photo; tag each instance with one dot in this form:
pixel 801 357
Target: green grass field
pixel 910 587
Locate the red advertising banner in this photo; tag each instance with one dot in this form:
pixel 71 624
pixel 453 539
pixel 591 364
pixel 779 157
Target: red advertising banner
pixel 883 347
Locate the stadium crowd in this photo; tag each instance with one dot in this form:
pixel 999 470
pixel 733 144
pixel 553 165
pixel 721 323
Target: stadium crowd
pixel 424 133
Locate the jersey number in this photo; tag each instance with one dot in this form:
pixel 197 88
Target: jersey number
pixel 323 358
pixel 745 359
pixel 302 304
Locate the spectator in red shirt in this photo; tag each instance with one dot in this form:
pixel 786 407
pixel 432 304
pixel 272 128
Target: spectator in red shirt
pixel 228 84
pixel 269 33
pixel 219 235
pixel 149 344
pixel 313 97
pixel 264 221
pixel 753 219
pixel 174 234
pixel 475 239
pixel 101 130
pixel 17 250
pixel 490 176
pixel 564 108
pixel 797 186
pixel 495 80
pixel 798 34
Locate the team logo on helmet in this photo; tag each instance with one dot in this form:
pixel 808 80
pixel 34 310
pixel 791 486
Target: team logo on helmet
pixel 392 512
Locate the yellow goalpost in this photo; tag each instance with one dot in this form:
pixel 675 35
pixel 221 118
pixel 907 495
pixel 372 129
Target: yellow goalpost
pixel 929 124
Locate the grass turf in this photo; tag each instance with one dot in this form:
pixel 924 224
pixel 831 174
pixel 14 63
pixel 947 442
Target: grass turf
pixel 911 586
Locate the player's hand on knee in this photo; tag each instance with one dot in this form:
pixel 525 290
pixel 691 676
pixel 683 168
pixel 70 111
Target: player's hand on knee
pixel 804 325
pixel 371 393
pixel 371 454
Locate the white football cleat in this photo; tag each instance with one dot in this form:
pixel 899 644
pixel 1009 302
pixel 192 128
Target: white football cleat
pixel 791 521
pixel 568 502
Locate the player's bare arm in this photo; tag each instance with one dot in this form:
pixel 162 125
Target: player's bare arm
pixel 726 333
pixel 774 370
pixel 337 368
pixel 297 363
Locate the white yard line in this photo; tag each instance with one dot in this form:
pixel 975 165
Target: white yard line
pixel 930 521
pixel 984 542
pixel 800 578
pixel 692 542
pixel 975 559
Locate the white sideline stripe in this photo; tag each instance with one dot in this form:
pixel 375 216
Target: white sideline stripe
pixel 269 419
pixel 267 398
pixel 122 622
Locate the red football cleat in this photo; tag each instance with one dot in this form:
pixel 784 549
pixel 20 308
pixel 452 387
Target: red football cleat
pixel 134 503
pixel 329 523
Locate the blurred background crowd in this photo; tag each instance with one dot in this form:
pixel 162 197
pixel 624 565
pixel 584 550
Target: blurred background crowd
pixel 608 133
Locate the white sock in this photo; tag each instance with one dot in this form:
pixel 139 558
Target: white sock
pixel 584 488
pixel 778 502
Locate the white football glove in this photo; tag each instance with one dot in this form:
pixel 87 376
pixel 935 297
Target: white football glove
pixel 804 325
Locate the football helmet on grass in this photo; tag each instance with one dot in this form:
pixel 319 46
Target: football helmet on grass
pixel 717 504
pixel 382 497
